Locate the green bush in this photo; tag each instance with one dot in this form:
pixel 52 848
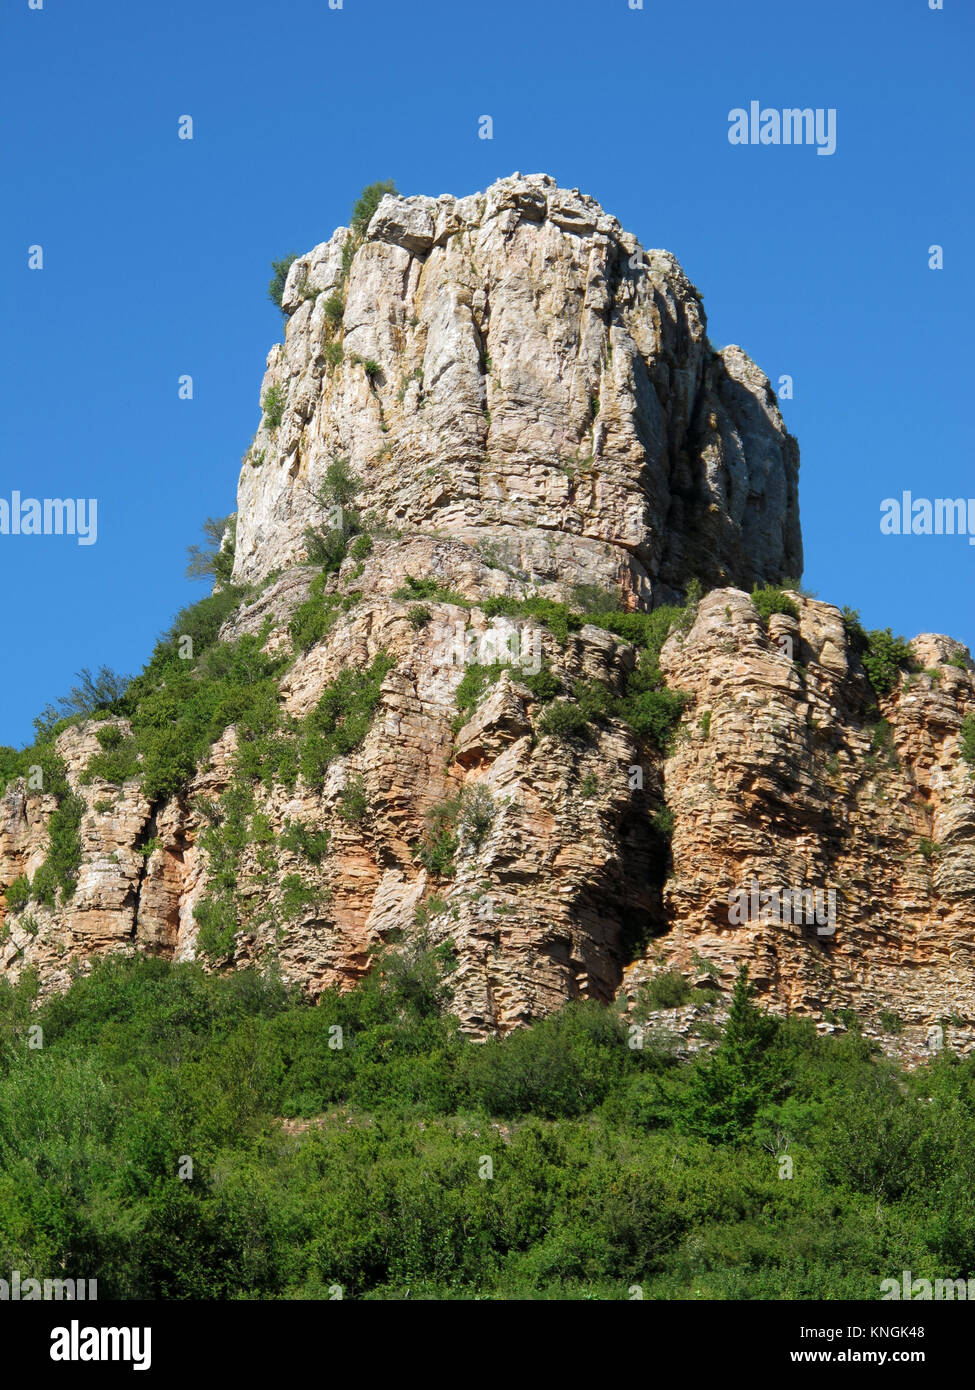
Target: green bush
pixel 118 761
pixel 217 927
pixel 474 683
pixel 296 895
pixel 544 685
pixel 334 308
pixel 103 693
pixel 314 618
pixel 968 739
pixel 418 614
pixel 342 718
pixel 275 289
pixel 60 868
pixel 563 719
pixel 367 203
pixel 668 990
pixel 771 599
pixel 18 893
pixel 214 559
pixel 884 657
pixel 305 840
pixel 613 1164
pixel 353 804
pixel 275 399
pixel 428 589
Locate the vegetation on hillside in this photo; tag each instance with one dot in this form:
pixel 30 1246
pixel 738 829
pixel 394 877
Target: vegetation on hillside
pixel 562 1162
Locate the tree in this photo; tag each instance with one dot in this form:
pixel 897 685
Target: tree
pixel 275 290
pixel 215 560
pixel 103 691
pixel 741 1075
pixel 367 203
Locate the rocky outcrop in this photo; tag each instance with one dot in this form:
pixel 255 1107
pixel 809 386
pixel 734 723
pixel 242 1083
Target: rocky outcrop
pixel 514 367
pixel 531 405
pixel 786 779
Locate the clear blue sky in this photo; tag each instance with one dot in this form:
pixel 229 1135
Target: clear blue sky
pixel 157 251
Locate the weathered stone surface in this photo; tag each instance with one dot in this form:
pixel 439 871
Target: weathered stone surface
pixel 537 377
pixel 545 412
pixel 783 784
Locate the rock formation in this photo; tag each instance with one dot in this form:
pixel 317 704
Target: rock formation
pixel 532 410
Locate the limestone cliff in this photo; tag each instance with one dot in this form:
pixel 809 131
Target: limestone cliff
pixel 532 411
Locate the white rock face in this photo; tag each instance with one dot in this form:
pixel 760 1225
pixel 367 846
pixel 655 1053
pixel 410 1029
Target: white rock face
pixel 533 375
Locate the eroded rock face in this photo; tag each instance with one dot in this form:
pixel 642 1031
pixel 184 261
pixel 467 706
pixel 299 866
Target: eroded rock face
pixel 515 366
pixel 786 779
pixel 544 412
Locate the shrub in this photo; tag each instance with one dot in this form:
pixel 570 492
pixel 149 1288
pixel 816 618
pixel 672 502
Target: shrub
pixel 341 719
pixel 439 845
pixel 361 547
pixel 855 632
pixel 563 719
pixel 414 978
pixel 473 684
pixel 367 203
pixel 771 599
pixel 334 353
pixel 326 549
pixel 891 1022
pixel 593 598
pixel 371 368
pixel 743 1074
pixel 303 839
pixel 60 868
pixel 429 589
pixel 968 739
pixel 883 658
pixel 94 694
pixel 215 559
pixel 477 812
pixel 118 761
pixel 557 617
pixel 296 895
pixel 275 289
pixel 668 990
pixel 333 309
pixel 353 805
pixel 273 405
pixel 217 927
pixel 18 893
pixel 563 1065
pixel 314 618
pixel 544 685
pixel 419 615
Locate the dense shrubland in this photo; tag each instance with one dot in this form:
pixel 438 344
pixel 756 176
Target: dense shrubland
pixel 612 1165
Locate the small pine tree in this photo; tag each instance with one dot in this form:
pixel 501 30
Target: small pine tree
pixel 739 1077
